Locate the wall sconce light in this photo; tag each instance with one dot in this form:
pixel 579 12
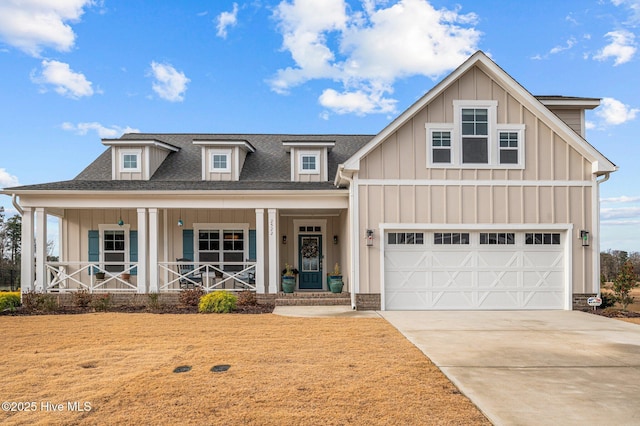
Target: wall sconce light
pixel 180 222
pixel 584 236
pixel 369 237
pixel 284 239
pixel 335 239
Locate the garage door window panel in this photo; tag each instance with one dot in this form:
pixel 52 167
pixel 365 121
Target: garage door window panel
pixel 450 238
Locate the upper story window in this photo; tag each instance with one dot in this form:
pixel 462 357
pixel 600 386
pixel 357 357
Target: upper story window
pixel 221 161
pixel 475 135
pixel 309 163
pixel 475 139
pixel 130 160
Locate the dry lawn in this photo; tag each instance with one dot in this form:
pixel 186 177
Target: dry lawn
pixel 293 371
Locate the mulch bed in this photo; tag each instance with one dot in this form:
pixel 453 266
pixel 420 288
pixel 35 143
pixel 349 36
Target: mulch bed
pixel 163 309
pixel 615 313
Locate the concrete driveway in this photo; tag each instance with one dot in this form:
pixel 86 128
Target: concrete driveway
pixel 534 368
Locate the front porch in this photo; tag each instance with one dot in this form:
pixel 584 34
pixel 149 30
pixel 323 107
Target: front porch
pixel 166 250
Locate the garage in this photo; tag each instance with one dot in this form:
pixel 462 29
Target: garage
pixel 474 270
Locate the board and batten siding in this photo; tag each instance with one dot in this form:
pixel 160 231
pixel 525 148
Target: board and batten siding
pixel 395 185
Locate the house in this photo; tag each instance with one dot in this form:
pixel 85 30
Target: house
pixel 479 196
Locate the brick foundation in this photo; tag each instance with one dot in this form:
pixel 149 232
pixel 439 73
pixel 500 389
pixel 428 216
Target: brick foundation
pixel 580 301
pixel 122 299
pixel 368 301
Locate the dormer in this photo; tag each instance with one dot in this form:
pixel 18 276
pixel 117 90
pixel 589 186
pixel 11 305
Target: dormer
pixel 223 159
pixel 309 160
pixel 133 159
pixel 570 110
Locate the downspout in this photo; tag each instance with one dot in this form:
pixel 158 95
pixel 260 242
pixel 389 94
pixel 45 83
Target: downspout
pixel 351 238
pixel 14 201
pixel 597 240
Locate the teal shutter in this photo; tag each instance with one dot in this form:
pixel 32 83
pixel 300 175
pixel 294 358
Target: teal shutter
pixel 133 250
pixel 187 244
pixel 94 249
pixel 252 244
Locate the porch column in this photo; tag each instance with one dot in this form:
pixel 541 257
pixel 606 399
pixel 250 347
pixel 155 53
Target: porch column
pixel 153 250
pixel 27 264
pixel 260 251
pixel 274 275
pixel 142 251
pixel 41 249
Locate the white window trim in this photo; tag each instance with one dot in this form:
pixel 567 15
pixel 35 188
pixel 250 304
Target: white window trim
pixel 314 171
pixel 492 107
pixel 137 153
pixel 127 251
pixel 226 153
pixel 493 138
pixel 513 128
pixel 221 227
pixel 439 127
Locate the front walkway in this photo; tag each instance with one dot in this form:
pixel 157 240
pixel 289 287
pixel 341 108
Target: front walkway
pixel 534 367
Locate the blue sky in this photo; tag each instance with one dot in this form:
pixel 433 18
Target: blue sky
pixel 76 71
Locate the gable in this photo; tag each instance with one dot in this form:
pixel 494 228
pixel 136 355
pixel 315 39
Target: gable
pixel 407 153
pixel 479 80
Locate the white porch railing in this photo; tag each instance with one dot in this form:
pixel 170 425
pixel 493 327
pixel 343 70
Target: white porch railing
pixel 187 274
pixel 67 277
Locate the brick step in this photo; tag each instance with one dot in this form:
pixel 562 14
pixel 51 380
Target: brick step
pixel 313 299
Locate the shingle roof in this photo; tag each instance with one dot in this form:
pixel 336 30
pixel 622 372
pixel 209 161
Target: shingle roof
pixel 267 168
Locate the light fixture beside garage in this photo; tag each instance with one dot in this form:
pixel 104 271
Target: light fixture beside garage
pixel 369 237
pixel 584 236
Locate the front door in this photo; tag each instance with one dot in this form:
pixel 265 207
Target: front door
pixel 310 262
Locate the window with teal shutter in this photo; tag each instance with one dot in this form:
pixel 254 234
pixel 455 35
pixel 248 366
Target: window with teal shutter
pixel 252 244
pixel 133 250
pixel 94 249
pixel 187 244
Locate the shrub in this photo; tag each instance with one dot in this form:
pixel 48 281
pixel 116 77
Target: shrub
pixel 247 298
pixel 219 302
pixel 624 283
pixel 82 298
pixel 39 302
pixel 608 300
pixel 9 301
pixel 154 301
pixel 191 296
pixel 102 303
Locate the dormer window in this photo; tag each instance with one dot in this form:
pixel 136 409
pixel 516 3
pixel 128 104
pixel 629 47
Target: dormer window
pixel 130 161
pixel 309 163
pixel 221 161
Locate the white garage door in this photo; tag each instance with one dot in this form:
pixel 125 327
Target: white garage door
pixel 474 270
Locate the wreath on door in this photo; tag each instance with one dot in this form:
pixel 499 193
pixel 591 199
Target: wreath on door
pixel 309 249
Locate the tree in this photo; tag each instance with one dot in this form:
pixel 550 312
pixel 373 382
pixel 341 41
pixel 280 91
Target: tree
pixel 624 283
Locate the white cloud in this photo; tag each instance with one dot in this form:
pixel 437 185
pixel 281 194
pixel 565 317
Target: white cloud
pixel 102 131
pixel 634 8
pixel 569 44
pixel 367 51
pixel 614 112
pixel 621 199
pixel 622 47
pixel 225 20
pixel 359 102
pixel 7 180
pixel 170 84
pixel 66 82
pixel 35 24
pixel 619 213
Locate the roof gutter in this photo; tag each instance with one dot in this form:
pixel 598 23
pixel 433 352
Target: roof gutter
pixel 353 231
pixel 17 206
